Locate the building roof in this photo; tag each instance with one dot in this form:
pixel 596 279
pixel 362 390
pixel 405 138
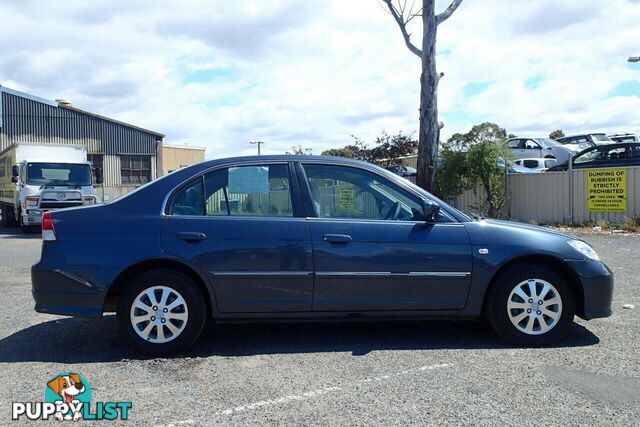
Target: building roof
pixel 72 108
pixel 184 147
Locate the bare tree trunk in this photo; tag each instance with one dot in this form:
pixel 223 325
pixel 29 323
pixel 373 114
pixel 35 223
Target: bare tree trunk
pixel 429 130
pixel 429 135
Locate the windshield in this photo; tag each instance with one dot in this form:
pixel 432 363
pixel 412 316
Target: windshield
pixel 64 174
pixel 546 142
pixel 601 137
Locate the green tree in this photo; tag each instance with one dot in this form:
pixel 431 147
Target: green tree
pixel 556 134
pixel 485 165
pixel 478 157
pixel 451 177
pixel 487 131
pixel 390 148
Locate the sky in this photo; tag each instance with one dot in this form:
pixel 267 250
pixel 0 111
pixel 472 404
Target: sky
pixel 219 74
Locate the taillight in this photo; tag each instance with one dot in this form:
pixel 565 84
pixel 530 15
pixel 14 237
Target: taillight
pixel 48 232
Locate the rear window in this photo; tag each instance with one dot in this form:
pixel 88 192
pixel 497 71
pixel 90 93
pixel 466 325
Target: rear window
pixel 600 137
pixel 532 164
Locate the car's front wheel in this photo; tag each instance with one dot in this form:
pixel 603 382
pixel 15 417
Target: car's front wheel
pixel 161 312
pixel 531 305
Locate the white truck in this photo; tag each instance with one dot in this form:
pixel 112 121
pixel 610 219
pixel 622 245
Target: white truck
pixel 36 177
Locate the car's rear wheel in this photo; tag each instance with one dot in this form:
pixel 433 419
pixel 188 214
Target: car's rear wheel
pixel 161 312
pixel 531 305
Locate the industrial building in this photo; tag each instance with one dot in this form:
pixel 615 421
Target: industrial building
pixel 175 157
pixel 129 156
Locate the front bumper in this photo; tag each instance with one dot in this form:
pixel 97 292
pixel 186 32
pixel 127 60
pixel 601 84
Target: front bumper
pixel 59 292
pixel 597 288
pixel 33 216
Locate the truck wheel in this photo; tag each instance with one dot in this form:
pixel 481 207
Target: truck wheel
pixel 531 305
pixel 161 312
pixel 8 216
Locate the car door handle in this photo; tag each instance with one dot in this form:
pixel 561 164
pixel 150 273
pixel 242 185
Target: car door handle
pixel 192 236
pixel 337 238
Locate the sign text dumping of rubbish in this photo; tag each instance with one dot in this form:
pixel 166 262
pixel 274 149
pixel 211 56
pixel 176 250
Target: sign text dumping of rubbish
pixel 607 190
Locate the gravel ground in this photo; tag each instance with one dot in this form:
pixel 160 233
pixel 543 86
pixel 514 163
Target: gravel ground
pixel 336 373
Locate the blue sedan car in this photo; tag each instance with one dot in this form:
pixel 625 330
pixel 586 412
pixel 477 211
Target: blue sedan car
pixel 305 237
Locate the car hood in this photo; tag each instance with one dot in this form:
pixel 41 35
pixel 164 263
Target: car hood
pixel 536 228
pixel 508 239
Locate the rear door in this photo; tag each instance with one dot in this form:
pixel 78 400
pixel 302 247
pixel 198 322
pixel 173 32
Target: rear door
pixel 373 251
pixel 241 225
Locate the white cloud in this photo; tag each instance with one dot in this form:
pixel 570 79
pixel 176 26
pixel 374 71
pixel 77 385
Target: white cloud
pixel 221 73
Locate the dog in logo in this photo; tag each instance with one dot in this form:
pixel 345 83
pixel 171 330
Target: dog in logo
pixel 67 387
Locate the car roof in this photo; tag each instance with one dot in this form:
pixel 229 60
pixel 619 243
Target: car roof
pixel 582 134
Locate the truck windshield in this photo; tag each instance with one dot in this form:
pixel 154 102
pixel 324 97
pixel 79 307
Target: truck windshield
pixel 66 174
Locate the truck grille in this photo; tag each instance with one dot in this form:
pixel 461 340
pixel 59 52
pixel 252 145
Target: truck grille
pixel 59 205
pixel 60 199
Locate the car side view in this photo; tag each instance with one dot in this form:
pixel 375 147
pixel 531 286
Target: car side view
pixel 306 237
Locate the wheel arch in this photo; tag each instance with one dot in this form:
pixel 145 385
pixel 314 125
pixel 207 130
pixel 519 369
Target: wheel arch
pixel 557 264
pixel 115 290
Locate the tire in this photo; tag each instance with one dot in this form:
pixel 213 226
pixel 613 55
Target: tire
pixel 3 212
pixel 160 340
pixel 8 216
pixel 520 327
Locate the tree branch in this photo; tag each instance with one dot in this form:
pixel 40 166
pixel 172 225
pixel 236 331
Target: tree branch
pixel 440 18
pixel 403 28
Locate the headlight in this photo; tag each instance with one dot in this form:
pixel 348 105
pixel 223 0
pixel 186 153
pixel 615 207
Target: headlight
pixel 584 249
pixel 31 201
pixel 88 200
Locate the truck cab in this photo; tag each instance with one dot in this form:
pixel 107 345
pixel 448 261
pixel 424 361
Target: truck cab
pixel 44 177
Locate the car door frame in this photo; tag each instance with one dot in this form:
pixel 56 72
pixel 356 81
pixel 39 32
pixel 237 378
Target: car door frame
pixel 455 221
pixel 298 211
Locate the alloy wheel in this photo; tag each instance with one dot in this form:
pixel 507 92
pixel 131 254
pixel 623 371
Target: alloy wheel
pixel 534 306
pixel 159 314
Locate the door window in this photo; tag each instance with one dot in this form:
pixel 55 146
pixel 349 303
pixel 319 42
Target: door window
pixel 515 143
pixel 249 191
pixel 344 192
pixel 261 190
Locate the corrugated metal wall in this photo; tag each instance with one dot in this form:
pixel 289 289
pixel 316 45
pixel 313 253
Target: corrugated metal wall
pixel 545 198
pixel 27 120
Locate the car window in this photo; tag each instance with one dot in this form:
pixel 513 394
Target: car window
pixel 514 143
pixel 600 137
pixel 589 156
pixel 189 201
pixel 550 163
pixel 256 190
pixel 344 192
pixel 547 142
pixel 260 190
pixel 531 144
pixel 530 164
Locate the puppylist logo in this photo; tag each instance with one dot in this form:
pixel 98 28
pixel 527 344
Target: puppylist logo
pixel 68 396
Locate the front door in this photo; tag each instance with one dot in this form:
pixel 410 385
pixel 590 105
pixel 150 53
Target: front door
pixel 374 251
pixel 238 225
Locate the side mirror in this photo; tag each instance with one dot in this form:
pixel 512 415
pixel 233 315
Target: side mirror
pixel 15 171
pixel 430 210
pixel 98 172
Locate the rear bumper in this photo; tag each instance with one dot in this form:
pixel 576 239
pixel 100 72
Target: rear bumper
pixel 58 292
pixel 597 288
